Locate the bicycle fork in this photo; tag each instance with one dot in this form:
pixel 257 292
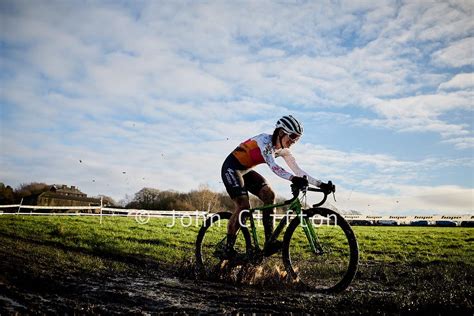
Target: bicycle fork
pixel 311 235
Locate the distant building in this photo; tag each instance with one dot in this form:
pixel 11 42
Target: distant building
pixel 62 195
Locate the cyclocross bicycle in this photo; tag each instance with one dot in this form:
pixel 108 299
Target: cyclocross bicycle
pixel 319 252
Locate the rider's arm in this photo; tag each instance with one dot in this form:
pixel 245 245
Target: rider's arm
pixel 279 171
pixel 291 162
pixel 264 143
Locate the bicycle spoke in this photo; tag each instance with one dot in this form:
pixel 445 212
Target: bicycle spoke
pixel 210 244
pixel 332 266
pixel 321 269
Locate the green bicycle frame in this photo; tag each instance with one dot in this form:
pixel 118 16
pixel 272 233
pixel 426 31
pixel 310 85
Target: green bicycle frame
pixel 294 206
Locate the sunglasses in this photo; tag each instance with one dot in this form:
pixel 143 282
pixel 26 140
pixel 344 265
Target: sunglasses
pixel 293 136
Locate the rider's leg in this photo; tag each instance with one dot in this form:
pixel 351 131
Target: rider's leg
pixel 241 203
pixel 232 177
pixel 267 196
pixel 256 184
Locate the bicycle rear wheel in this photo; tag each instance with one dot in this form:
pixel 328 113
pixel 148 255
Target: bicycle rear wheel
pixel 211 238
pixel 333 267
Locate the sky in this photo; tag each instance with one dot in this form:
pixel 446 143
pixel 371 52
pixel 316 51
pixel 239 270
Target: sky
pixel 114 96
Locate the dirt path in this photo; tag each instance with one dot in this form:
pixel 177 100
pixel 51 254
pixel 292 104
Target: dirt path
pixel 140 292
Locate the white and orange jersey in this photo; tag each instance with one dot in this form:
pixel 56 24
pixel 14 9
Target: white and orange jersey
pixel 259 149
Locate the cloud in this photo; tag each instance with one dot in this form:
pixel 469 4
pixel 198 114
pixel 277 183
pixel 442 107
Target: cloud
pixel 373 172
pixel 457 54
pixel 463 81
pixel 424 113
pixel 461 142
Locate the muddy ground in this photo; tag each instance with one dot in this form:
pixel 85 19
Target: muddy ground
pixel 32 286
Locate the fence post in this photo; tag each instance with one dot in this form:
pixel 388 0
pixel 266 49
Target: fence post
pixel 19 206
pixel 101 205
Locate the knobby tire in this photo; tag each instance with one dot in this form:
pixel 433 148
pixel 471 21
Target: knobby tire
pixel 331 272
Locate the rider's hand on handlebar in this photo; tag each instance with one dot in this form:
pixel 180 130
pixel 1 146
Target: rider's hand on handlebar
pixel 327 187
pixel 299 182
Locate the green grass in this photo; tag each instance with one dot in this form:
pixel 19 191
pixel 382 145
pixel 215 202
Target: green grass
pixel 416 244
pixel 121 237
pixel 117 236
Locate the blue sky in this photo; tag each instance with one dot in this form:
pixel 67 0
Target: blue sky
pixel 157 93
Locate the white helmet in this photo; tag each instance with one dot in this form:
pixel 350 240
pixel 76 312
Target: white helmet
pixel 290 125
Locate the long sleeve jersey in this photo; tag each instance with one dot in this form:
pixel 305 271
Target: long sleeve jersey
pixel 259 149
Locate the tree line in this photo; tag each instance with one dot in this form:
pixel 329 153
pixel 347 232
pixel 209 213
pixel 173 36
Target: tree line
pixel 26 192
pixel 202 198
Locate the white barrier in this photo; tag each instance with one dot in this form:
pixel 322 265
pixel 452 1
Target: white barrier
pixel 102 210
pixel 108 211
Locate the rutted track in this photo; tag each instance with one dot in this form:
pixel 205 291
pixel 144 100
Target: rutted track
pixel 138 291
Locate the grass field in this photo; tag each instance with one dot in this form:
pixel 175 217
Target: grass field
pixel 408 261
pixel 167 245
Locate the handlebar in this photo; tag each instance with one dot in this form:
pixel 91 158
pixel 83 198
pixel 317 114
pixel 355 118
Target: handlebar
pixel 324 198
pixel 296 191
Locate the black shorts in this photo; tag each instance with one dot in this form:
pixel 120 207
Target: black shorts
pixel 238 180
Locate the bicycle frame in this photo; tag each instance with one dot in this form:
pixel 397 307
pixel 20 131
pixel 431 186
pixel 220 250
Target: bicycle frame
pixel 294 206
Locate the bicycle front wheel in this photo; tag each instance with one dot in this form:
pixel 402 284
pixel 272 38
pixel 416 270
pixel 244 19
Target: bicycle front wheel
pixel 332 267
pixel 211 238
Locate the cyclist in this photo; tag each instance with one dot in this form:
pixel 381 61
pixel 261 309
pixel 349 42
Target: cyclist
pixel 239 178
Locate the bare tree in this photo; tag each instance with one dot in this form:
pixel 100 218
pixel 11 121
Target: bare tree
pixel 145 198
pixel 204 199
